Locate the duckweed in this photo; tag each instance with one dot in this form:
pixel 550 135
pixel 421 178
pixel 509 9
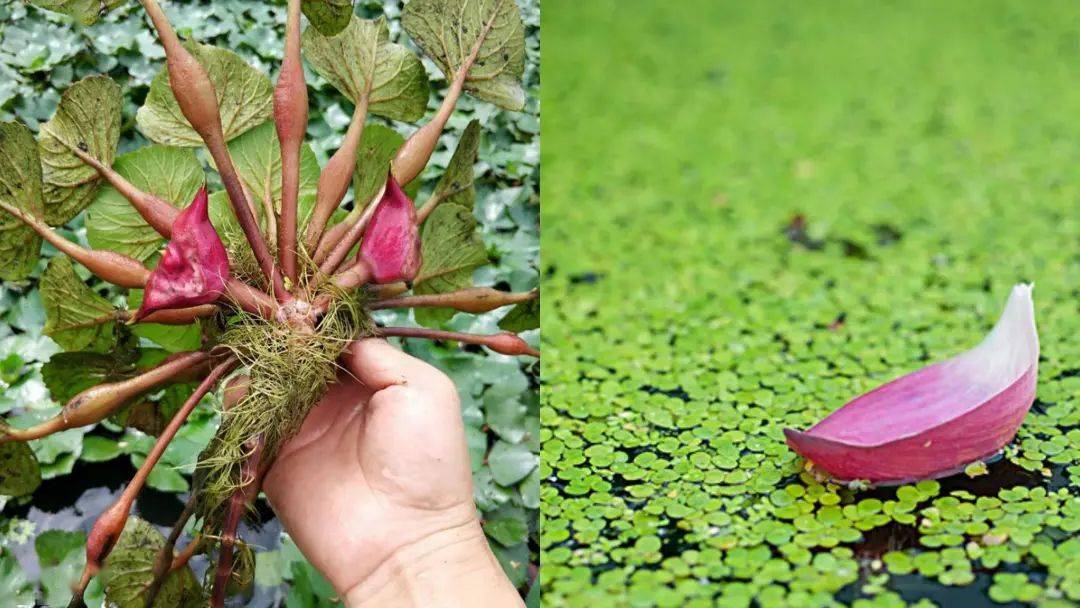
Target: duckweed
pixel 753 215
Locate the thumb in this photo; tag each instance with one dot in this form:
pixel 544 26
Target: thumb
pixel 378 365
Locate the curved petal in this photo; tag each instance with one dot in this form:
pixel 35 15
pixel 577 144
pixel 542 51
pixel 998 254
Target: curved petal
pixel 934 421
pixel 391 243
pixel 195 266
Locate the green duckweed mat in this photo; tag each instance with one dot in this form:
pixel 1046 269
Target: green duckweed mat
pixel 754 212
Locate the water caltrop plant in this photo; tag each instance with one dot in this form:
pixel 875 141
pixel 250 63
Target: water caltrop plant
pixel 273 275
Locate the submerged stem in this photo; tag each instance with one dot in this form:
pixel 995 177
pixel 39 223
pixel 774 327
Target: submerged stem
pixel 248 489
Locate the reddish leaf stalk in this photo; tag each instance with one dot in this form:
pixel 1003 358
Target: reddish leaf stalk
pixel 336 176
pixel 174 316
pixel 290 120
pixel 113 267
pixel 96 403
pixel 475 300
pixel 429 205
pixel 349 239
pixel 249 488
pixel 110 524
pixel 194 93
pixel 505 343
pixel 416 151
pixel 163 563
pixel 157 212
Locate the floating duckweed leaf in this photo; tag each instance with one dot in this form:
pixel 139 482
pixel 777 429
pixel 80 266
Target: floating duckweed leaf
pixel 76 317
pixel 88 118
pixel 244 94
pixel 172 174
pixel 935 421
pixel 19 471
pixel 328 16
pixel 448 30
pixel 361 61
pixel 129 569
pixel 86 11
pixel 20 187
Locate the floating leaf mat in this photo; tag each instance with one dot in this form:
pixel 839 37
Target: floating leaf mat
pixel 752 216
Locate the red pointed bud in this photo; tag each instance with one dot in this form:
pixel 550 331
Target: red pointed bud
pixel 391 244
pixel 195 266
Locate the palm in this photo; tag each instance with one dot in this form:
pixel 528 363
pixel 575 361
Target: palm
pixel 372 472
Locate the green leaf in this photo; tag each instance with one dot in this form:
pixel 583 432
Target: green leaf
pixel 377 148
pixel 451 250
pixel 257 157
pixel 173 338
pixel 448 30
pixel 15 590
pixel 511 462
pixel 86 11
pixel 75 317
pixel 20 187
pixel 68 374
pixel 328 16
pixel 172 174
pixel 52 546
pixel 522 317
pixel 99 449
pixel 244 94
pixel 457 185
pixel 361 61
pixel 87 118
pixel 19 471
pixel 128 570
pixel 507 531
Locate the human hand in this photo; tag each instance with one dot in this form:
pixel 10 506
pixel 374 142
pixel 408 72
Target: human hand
pixel 376 489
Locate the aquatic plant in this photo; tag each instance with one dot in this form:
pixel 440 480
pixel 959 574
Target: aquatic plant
pixel 277 276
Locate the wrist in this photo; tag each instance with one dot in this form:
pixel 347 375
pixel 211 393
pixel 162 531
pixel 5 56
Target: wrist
pixel 450 568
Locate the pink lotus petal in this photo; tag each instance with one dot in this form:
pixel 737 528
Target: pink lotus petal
pixel 194 267
pixel 934 421
pixel 391 245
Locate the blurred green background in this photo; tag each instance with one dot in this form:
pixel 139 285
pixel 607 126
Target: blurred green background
pixel 42 536
pixel 755 211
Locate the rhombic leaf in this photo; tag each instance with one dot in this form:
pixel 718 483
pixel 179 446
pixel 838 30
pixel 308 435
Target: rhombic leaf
pixel 328 16
pixel 448 30
pixel 87 118
pixel 68 374
pixel 129 570
pixel 257 157
pixel 20 186
pixel 244 95
pixel 377 149
pixel 19 471
pixel 522 317
pixel 451 250
pixel 361 61
pixel 75 317
pixel 173 174
pixel 86 11
pixel 457 185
